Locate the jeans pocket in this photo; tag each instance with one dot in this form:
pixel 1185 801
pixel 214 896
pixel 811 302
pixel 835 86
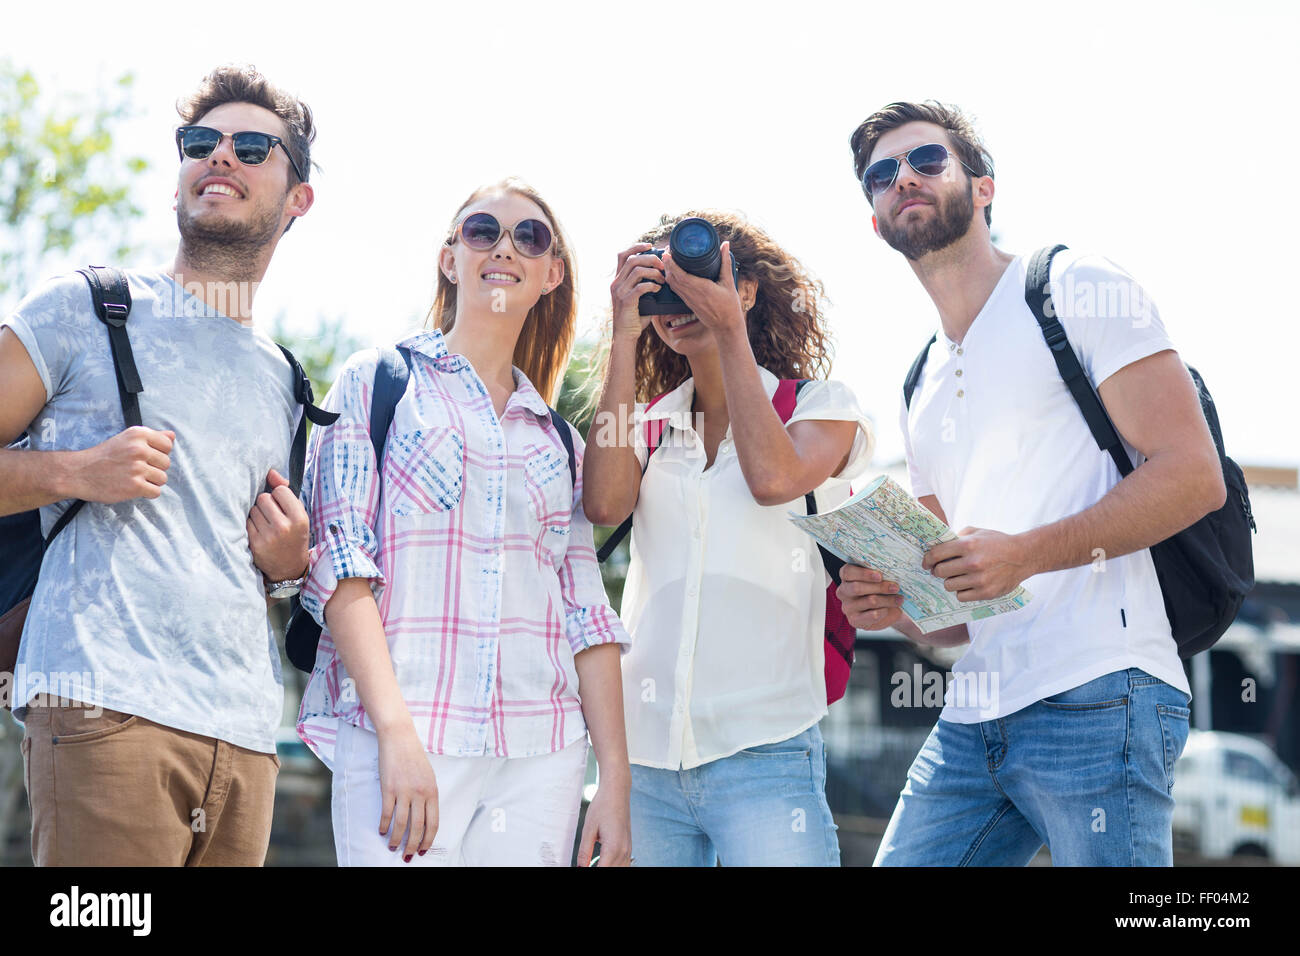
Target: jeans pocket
pixel 780 749
pixel 1110 690
pixel 1174 726
pixel 74 725
pixel 424 472
pixel 784 768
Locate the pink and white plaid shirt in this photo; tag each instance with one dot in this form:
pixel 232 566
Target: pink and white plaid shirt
pixel 478 553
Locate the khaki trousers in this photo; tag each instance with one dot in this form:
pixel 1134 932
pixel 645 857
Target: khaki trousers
pixel 113 789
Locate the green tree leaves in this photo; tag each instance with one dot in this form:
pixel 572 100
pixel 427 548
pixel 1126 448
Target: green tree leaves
pixel 62 179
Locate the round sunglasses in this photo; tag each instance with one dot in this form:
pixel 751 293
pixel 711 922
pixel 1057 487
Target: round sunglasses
pixel 928 160
pixel 482 231
pixel 251 147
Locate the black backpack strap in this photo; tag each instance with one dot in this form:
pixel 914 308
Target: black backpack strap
pixel 1038 296
pixel 303 396
pixel 566 438
pixel 616 536
pixel 112 299
pixel 64 520
pixel 914 373
pixel 111 296
pixel 391 375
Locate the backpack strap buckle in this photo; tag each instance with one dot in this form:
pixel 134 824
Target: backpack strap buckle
pixel 1055 335
pixel 115 313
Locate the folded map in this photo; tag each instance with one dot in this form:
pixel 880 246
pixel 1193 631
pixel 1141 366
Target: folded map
pixel 884 528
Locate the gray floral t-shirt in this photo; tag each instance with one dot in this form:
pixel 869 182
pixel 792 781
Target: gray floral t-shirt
pixel 154 607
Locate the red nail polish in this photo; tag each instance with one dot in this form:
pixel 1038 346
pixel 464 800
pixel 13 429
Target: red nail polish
pixel 407 858
pixel 422 852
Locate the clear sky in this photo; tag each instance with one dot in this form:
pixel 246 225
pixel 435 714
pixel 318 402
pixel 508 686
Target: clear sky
pixel 1161 135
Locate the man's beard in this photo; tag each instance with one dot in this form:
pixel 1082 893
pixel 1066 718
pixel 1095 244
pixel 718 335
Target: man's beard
pixel 951 222
pixel 227 247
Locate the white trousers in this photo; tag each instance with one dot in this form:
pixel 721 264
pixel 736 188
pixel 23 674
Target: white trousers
pixel 492 811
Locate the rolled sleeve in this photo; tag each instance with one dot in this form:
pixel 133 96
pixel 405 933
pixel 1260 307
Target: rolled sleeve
pixel 588 618
pixel 341 492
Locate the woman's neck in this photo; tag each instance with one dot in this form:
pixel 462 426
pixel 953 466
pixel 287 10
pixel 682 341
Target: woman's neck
pixel 488 342
pixel 710 396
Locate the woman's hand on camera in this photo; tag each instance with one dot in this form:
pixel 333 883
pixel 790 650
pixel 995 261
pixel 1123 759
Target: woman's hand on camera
pixel 716 304
pixel 638 273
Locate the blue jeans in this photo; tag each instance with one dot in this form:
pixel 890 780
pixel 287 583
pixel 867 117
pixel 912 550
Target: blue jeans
pixel 765 806
pixel 1088 772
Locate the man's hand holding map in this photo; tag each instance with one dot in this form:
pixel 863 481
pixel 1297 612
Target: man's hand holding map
pixel 884 528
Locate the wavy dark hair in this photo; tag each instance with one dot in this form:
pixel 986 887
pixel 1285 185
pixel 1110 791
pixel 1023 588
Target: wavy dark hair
pixel 787 327
pixel 546 339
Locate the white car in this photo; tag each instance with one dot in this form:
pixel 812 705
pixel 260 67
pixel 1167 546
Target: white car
pixel 1234 797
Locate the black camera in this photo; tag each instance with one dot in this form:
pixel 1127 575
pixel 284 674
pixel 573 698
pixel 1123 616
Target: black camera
pixel 696 248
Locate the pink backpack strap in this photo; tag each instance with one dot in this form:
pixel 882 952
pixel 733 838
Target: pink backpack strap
pixel 654 429
pixel 786 396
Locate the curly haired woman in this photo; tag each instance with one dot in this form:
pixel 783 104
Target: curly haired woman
pixel 724 684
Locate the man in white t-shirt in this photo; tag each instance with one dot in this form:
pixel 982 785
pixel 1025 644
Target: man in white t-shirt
pixel 1063 719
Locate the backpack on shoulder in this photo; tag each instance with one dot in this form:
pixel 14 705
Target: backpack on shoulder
pixel 392 372
pixel 22 546
pixel 838 634
pixel 1207 569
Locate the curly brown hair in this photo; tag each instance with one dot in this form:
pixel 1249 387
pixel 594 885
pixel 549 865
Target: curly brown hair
pixel 787 328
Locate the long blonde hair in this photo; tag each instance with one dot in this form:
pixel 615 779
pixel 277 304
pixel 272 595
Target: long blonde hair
pixel 546 339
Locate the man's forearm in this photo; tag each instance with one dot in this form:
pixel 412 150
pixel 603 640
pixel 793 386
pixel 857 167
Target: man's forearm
pixel 1157 500
pixel 32 479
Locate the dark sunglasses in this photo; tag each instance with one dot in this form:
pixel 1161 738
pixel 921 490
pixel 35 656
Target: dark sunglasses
pixel 251 148
pixel 928 160
pixel 481 231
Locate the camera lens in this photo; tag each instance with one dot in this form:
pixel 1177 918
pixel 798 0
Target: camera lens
pixel 694 238
pixel 695 247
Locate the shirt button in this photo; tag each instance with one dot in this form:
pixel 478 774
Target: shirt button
pixel 951 346
pixel 959 373
pixel 691 590
pixel 960 393
pixel 959 351
pixel 695 532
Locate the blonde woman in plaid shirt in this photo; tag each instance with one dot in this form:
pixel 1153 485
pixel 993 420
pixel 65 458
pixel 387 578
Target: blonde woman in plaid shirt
pixel 468 645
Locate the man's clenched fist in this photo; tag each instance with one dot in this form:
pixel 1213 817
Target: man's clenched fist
pixel 131 464
pixel 277 531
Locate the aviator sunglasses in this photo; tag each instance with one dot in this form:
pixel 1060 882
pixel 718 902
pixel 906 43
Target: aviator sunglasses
pixel 482 231
pixel 251 148
pixel 928 160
